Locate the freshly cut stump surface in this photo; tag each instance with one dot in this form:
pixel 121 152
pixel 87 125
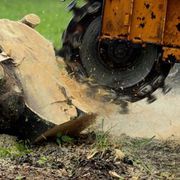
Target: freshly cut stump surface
pixel 31 58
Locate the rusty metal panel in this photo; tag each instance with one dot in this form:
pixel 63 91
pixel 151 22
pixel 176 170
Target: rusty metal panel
pixel 171 52
pixel 148 20
pixel 116 18
pixel 135 19
pixel 172 26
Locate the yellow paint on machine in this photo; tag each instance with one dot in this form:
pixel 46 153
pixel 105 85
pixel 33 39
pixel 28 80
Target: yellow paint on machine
pixel 144 21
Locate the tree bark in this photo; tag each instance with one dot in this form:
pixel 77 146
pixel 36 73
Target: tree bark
pixel 11 101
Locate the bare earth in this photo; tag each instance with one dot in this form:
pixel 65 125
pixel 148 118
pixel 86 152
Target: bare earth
pixel 144 159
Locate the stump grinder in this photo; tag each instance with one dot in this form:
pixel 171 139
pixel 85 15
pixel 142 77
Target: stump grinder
pixel 127 46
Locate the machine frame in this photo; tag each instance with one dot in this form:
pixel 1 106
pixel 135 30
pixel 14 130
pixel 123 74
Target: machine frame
pixel 144 21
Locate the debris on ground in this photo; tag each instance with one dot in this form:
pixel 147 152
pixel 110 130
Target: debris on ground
pixel 144 159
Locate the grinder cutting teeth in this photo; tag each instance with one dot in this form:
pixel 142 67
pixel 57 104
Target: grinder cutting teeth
pixel 121 45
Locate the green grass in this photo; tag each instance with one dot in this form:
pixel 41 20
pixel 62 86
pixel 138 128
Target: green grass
pixel 53 14
pixel 17 150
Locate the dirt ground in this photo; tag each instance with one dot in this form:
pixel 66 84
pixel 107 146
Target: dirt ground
pixel 92 156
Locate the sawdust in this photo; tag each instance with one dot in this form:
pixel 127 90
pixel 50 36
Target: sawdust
pixel 159 119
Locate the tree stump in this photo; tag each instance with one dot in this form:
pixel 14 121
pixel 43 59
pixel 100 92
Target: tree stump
pixel 33 98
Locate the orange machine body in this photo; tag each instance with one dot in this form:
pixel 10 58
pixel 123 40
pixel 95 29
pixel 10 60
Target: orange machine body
pixel 144 21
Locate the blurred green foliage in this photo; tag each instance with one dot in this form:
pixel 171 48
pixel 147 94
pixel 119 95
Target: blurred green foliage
pixel 53 13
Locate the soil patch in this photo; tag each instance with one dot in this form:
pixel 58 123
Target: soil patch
pixel 90 157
